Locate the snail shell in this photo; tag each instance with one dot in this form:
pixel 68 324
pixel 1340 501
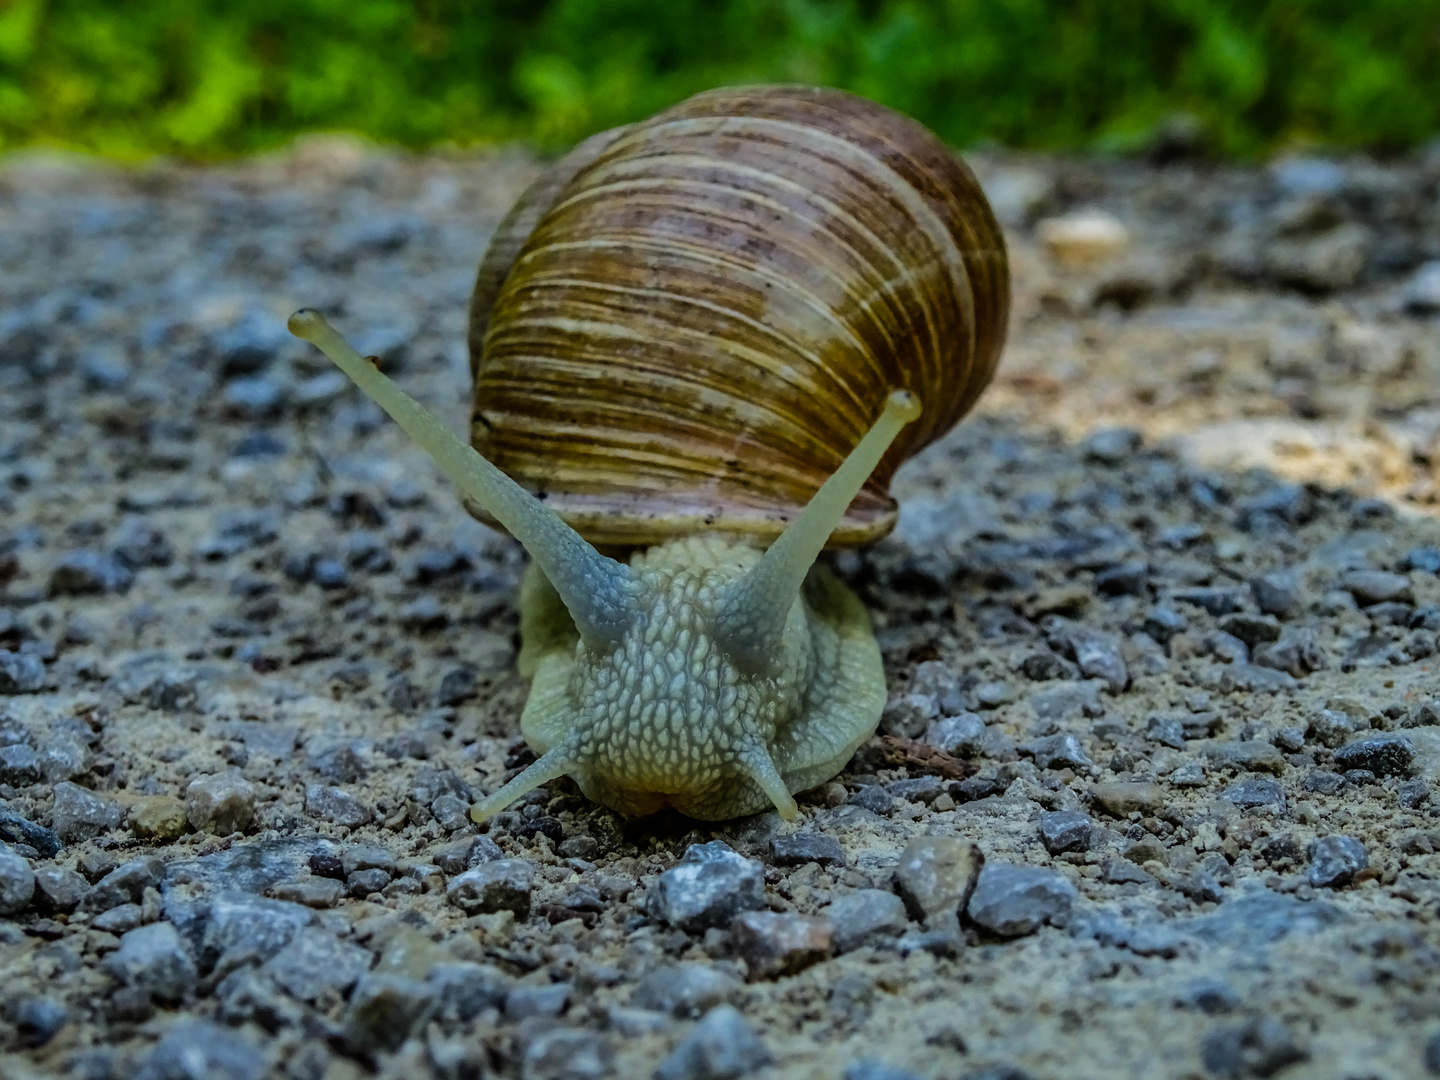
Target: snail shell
pixel 686 324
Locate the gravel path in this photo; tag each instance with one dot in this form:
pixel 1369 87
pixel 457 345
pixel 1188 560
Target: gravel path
pixel 1155 794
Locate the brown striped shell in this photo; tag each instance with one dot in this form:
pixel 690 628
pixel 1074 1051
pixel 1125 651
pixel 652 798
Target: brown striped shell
pixel 687 323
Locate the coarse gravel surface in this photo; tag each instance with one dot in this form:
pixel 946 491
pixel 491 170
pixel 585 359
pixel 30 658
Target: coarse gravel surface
pixel 1155 794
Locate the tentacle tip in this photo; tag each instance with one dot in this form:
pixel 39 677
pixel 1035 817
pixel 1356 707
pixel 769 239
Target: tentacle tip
pixel 903 405
pixel 485 809
pixel 788 809
pixel 306 323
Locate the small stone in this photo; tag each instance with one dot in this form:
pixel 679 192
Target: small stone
pixel 1422 297
pixel 222 803
pixel 362 883
pixel 1065 701
pixel 1251 629
pixel 1262 1047
pixel 936 874
pixel 457 687
pixel 1059 751
pixel 873 797
pixel 463 989
pixel 367 858
pixel 193 1049
pixel 710 885
pixel 1297 653
pixel 1250 756
pixel 1256 792
pixel 991 695
pixel 78 814
pixel 158 817
pixel 1120 798
pixel 155 959
pixel 865 915
pixel 1413 794
pixel 1217 601
pixel 1099 657
pixel 119 920
pixel 1012 900
pixel 874 1070
pixel 775 943
pixel 38 1020
pixel 797 849
pixel 1046 666
pixel 1083 237
pixel 1276 593
pixel 1377 586
pixel 312 892
pixel 1331 727
pixel 501 885
pixel 1163 623
pixel 1123 872
pixel 685 990
pixel 723 1046
pixel 1066 830
pixel 316 964
pixel 1166 730
pixel 21 673
pixel 1324 782
pixel 917 789
pixel 548 1001
pixel 1383 755
pixel 1251 678
pixel 126 884
pixel 1127 579
pixel 19 765
pixel 87 573
pixel 337 806
pixel 58 888
pixel 1426 559
pixel 1335 860
pixel 908 715
pixel 17 881
pixel 1188 775
pixel 384 1010
pixel 245 925
pixel 565 1053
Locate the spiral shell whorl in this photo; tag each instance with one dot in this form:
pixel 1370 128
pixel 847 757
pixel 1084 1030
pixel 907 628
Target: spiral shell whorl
pixel 704 312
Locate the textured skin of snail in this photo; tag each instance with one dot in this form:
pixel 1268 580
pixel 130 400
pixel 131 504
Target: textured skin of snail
pixel 709 339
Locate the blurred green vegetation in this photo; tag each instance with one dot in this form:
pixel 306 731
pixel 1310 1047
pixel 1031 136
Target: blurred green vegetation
pixel 204 78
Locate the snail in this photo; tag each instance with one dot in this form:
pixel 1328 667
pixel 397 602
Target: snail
pixel 709 339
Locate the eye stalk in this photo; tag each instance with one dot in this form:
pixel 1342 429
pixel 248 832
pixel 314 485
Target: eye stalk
pixel 598 591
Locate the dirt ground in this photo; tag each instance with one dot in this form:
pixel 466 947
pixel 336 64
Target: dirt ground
pixel 1177 580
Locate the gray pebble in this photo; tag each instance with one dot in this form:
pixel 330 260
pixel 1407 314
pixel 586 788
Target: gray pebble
pixel 315 964
pixel 1163 623
pixel 367 858
pixel 1276 593
pixel 873 1070
pixel 1335 860
pixel 1376 586
pixel 1066 830
pixel 1191 774
pixel 499 885
pixel 1432 1055
pixel 1166 730
pixel 917 789
pixel 243 925
pixel 120 920
pixel 1217 601
pixel 909 715
pixel 319 893
pixel 991 695
pixel 865 916
pixel 19 765
pixel 709 886
pixel 1011 900
pixel 1111 446
pixel 156 959
pixel 222 803
pixel 1426 559
pixel 1261 1047
pixel 1059 751
pixel 936 874
pixel 384 1010
pixel 80 814
pixel 457 687
pixel 452 812
pixel 685 990
pixel 85 573
pixel 463 990
pixel 1324 782
pixel 362 883
pixel 1251 629
pixel 39 1019
pixel 1254 792
pixel 873 797
pixel 1383 755
pixel 1413 794
pixel 58 888
pixel 1251 756
pixel 334 805
pixel 958 736
pixel 21 673
pixel 125 884
pixel 1127 579
pixel 565 1053
pixel 797 849
pixel 17 881
pixel 524 1002
pixel 194 1049
pixel 723 1046
pixel 1422 291
pixel 341 763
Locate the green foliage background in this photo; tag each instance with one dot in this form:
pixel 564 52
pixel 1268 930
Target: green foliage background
pixel 204 78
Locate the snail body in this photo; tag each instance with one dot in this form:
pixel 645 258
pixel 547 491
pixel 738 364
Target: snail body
pixel 680 338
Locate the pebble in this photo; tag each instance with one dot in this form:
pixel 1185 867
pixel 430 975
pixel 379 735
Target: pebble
pixel 457 687
pixel 1383 755
pixel 1121 797
pixel 383 1011
pixel 1083 237
pixel 936 874
pixel 17 881
pixel 959 736
pixel 499 885
pixel 156 959
pixel 865 916
pixel 797 849
pixel 710 885
pixel 1217 601
pixel 874 1070
pixel 872 797
pixel 1251 629
pixel 917 789
pixel 1422 291
pixel 250 926
pixel 19 765
pixel 337 806
pixel 341 763
pixel 776 943
pixel 312 892
pixel 1255 792
pixel 158 817
pixel 89 573
pixel 1276 593
pixel 126 884
pixel 1250 756
pixel 1163 623
pixel 1013 900
pixel 1426 559
pixel 21 673
pixel 1098 655
pixel 192 1049
pixel 1377 587
pixel 1066 830
pixel 362 883
pixel 685 990
pixel 58 888
pixel 316 964
pixel 39 1019
pixel 565 1053
pixel 1261 1047
pixel 548 1001
pixel 1166 730
pixel 222 803
pixel 464 989
pixel 1335 860
pixel 79 814
pixel 908 715
pixel 1127 579
pixel 1059 751
pixel 723 1046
